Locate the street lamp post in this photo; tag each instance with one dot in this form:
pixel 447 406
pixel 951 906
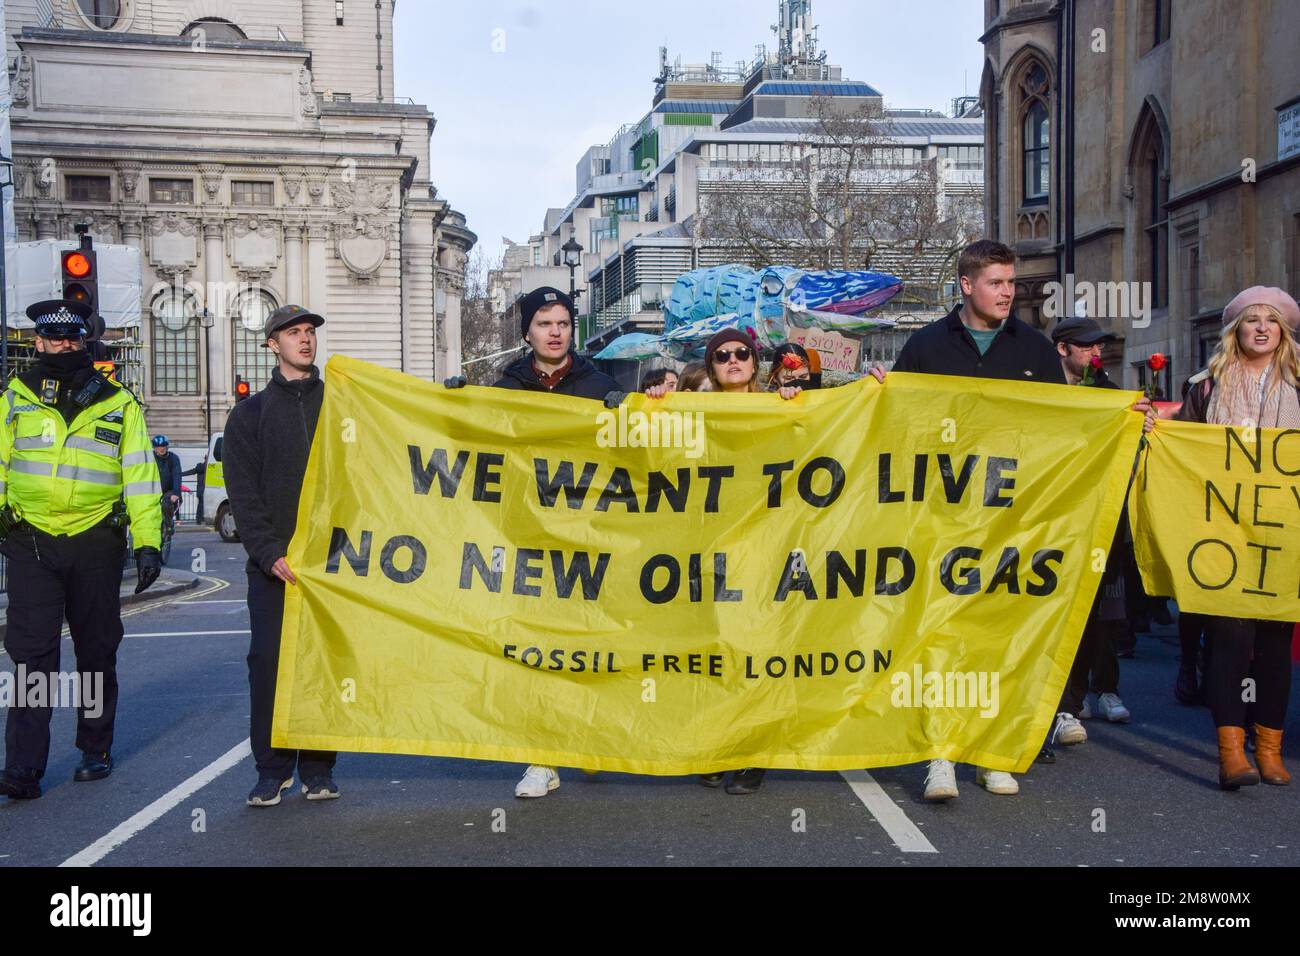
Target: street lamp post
pixel 6 181
pixel 573 258
pixel 207 320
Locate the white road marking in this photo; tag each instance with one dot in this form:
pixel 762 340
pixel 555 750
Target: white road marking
pixel 230 601
pixel 185 633
pixel 887 813
pixel 130 827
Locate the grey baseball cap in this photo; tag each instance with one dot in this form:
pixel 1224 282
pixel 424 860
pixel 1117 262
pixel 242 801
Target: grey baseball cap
pixel 289 315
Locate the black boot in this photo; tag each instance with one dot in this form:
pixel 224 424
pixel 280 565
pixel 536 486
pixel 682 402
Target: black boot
pixel 93 767
pixel 746 781
pixel 711 779
pixel 20 784
pixel 1186 689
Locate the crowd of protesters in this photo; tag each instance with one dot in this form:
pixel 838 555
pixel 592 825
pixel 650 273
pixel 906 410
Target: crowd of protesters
pixel 1253 379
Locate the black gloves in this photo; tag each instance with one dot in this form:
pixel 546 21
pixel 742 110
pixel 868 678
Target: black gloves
pixel 614 399
pixel 148 565
pixel 8 521
pixel 456 381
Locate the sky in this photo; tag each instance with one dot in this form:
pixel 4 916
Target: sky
pixel 521 88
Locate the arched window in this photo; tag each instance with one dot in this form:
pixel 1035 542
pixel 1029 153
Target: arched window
pixel 175 343
pixel 1035 135
pixel 214 28
pixel 102 14
pixel 1150 194
pixel 252 360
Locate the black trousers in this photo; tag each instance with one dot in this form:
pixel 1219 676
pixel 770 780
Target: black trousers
pixel 80 577
pixel 1096 663
pixel 1256 649
pixel 265 615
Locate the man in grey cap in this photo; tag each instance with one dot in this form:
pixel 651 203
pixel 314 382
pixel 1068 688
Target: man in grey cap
pixel 264 451
pixel 1078 341
pixel 1096 663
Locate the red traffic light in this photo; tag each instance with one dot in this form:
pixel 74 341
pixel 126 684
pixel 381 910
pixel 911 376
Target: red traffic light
pixel 76 265
pixel 242 390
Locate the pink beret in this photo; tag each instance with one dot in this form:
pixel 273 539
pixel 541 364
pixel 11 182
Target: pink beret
pixel 1264 295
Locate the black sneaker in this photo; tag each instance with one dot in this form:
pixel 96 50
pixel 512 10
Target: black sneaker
pixel 711 779
pixel 1046 755
pixel 267 792
pixel 746 781
pixel 93 767
pixel 320 788
pixel 20 784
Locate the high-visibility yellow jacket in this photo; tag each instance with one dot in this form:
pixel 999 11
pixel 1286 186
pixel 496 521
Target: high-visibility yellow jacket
pixel 65 479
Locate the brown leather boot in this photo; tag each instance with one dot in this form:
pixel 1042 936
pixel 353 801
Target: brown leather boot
pixel 1234 769
pixel 1268 756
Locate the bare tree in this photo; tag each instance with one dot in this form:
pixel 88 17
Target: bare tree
pixel 485 326
pixel 845 195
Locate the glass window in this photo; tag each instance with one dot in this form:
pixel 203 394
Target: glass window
pixel 252 194
pixel 101 13
pixel 214 28
pixel 252 360
pixel 1037 154
pixel 88 189
pixel 175 346
pixel 171 191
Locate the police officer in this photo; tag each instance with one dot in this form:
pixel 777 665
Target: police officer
pixel 75 466
pixel 169 473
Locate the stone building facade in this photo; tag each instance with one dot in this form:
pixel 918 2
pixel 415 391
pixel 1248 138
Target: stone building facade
pixel 254 153
pixel 1139 142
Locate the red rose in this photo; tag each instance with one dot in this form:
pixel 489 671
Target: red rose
pixel 1157 361
pixel 1096 362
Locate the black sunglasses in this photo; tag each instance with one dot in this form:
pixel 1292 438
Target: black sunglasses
pixel 723 356
pixel 62 336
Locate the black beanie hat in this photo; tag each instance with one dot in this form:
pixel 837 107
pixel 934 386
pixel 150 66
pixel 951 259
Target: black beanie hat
pixel 727 335
pixel 540 299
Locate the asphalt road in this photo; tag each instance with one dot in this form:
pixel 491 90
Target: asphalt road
pixel 1142 794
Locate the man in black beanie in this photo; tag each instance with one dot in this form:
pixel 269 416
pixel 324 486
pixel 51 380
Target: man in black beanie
pixel 546 323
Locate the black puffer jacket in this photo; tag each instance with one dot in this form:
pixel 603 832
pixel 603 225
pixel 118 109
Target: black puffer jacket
pixel 584 379
pixel 264 455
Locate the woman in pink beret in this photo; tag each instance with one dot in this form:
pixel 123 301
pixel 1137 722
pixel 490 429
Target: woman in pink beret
pixel 1253 380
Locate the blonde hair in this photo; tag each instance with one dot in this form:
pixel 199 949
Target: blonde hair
pixel 1284 364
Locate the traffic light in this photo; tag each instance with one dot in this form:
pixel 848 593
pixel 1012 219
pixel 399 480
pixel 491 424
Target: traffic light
pixel 80 274
pixel 242 388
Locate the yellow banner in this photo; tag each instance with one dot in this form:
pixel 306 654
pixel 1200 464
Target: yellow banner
pixel 1216 519
pixel 862 576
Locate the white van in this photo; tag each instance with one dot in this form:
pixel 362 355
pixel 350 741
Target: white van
pixel 215 502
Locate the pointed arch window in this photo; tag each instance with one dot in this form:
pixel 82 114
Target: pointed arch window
pixel 1035 135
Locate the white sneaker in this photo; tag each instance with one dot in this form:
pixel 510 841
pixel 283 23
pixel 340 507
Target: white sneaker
pixel 941 781
pixel 1085 712
pixel 997 781
pixel 1068 731
pixel 1112 708
pixel 537 782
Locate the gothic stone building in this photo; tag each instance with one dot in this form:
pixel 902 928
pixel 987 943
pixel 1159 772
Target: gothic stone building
pixel 1150 142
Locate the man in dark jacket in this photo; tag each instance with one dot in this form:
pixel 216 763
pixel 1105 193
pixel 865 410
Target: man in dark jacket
pixel 169 473
pixel 266 443
pixel 546 323
pixel 1096 663
pixel 980 337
